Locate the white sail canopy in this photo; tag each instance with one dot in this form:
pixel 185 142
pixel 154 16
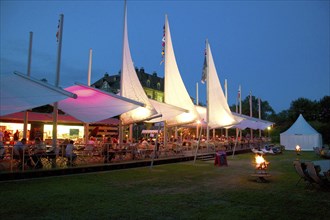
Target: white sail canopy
pixel 243 120
pixel 166 111
pixel 174 90
pixel 93 105
pixel 250 122
pixel 19 92
pixel 219 114
pixel 130 86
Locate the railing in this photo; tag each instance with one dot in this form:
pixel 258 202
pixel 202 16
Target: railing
pixel 107 153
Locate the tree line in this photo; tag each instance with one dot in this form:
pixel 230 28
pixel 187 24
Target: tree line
pixel 316 113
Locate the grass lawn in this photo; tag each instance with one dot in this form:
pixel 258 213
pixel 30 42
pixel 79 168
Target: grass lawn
pixel 173 191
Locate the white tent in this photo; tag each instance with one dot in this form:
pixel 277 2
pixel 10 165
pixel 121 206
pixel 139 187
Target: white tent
pixel 302 134
pixel 19 92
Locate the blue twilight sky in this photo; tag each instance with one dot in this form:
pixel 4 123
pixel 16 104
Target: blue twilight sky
pixel 278 50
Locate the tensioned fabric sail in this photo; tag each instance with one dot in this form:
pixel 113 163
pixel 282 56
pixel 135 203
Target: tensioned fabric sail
pixel 93 105
pixel 174 89
pixel 250 122
pixel 19 92
pixel 166 111
pixel 130 86
pixel 244 121
pixel 218 109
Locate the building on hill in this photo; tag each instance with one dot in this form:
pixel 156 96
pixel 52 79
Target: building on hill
pixel 152 84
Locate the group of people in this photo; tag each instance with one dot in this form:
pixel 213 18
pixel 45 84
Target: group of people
pixel 8 136
pixel 30 154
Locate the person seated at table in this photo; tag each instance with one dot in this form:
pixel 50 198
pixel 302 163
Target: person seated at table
pixel 2 150
pixel 62 147
pixel 108 151
pixel 144 144
pixel 21 149
pixel 90 145
pixel 69 154
pixel 38 150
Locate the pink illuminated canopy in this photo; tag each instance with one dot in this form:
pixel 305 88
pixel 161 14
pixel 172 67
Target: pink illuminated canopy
pixel 94 105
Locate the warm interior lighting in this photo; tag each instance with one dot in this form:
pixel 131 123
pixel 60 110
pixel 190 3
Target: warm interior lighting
pixel 186 117
pixel 83 92
pixel 140 112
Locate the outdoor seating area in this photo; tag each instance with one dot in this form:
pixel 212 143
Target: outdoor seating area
pixel 84 155
pixel 323 151
pixel 314 173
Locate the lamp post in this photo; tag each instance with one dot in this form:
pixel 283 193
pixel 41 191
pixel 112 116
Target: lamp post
pixel 268 128
pixel 298 149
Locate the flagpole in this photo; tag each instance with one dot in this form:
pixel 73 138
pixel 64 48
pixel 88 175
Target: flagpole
pixel 251 130
pixel 197 101
pixel 28 74
pixel 57 81
pixel 259 110
pixel 226 92
pixel 120 127
pixel 89 75
pixel 207 93
pixel 240 108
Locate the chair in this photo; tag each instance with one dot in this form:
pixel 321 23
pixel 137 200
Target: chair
pixel 71 160
pixel 303 175
pixel 313 174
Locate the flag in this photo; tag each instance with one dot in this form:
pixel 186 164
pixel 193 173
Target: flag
pixel 58 30
pixel 250 102
pixel 259 107
pixel 163 46
pixel 203 80
pixel 238 101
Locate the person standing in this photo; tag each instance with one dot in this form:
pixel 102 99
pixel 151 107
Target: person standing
pixel 108 151
pixel 69 154
pixel 16 136
pixel 1 135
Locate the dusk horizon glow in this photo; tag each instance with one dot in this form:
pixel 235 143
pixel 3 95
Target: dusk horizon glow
pixel 278 50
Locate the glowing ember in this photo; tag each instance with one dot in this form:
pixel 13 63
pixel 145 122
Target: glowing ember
pixel 261 163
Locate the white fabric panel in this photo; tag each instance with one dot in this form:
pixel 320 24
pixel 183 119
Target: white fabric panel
pixel 250 122
pixel 131 87
pixel 243 121
pixel 219 112
pixel 174 90
pixel 93 105
pixel 167 111
pixel 19 92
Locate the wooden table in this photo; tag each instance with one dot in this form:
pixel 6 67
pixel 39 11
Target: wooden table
pixel 261 176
